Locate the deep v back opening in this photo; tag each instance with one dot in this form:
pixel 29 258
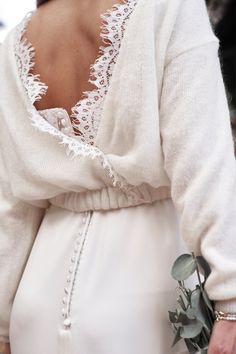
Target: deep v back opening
pixel 86 115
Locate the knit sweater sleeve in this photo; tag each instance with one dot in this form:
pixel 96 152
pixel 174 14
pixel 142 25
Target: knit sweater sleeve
pixel 19 223
pixel 198 149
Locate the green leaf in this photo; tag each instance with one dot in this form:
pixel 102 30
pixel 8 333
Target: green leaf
pixel 195 298
pixel 191 313
pixel 204 266
pixel 203 341
pixel 192 329
pixel 198 306
pixel 193 319
pixel 181 302
pixel 184 266
pixel 173 316
pixel 177 336
pixel 191 347
pixel 207 301
pixel 179 316
pixel 183 318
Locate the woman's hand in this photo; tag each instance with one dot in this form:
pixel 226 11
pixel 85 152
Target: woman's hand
pixel 223 339
pixel 5 348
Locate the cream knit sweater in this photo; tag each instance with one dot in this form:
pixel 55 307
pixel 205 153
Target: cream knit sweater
pixel 165 132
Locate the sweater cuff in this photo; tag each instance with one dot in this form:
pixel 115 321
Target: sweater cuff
pixel 226 305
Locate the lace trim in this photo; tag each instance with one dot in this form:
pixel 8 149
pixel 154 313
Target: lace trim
pixel 87 112
pixel 25 55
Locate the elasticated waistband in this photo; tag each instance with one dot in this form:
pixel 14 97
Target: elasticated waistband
pixel 109 198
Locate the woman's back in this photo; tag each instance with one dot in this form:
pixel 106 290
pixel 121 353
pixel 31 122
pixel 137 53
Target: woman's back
pixel 66 37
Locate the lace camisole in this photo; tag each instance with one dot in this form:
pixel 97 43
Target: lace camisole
pixel 86 114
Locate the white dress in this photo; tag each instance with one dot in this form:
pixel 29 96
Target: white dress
pixel 97 282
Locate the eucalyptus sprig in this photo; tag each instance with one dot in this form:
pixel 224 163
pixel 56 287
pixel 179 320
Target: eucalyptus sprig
pixel 194 316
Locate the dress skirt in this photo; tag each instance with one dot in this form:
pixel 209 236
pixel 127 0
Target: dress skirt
pixel 99 282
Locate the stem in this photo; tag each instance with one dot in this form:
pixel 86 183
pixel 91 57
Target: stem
pixel 201 288
pixel 205 335
pixel 198 273
pixel 184 292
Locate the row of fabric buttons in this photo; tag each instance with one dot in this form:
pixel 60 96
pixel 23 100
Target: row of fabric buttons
pixel 59 118
pixel 73 269
pixel 63 124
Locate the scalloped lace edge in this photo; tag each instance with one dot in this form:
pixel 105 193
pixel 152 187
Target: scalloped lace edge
pixel 87 113
pixel 25 60
pixel 35 89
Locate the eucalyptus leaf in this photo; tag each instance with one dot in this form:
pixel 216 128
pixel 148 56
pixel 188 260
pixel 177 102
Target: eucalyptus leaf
pixel 207 301
pixel 177 336
pixel 181 302
pixel 191 330
pixel 191 346
pixel 195 298
pixel 191 313
pixel 204 266
pixel 203 342
pixel 199 307
pixel 186 293
pixel 184 266
pixel 193 318
pixel 173 317
pixel 183 317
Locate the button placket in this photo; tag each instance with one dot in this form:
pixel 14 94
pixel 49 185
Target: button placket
pixel 73 270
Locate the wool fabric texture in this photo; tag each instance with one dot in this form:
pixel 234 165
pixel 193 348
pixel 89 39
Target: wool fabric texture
pixel 165 133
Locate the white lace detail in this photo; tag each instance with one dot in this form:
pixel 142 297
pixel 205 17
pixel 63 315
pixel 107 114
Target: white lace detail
pixel 86 109
pixel 25 55
pixel 60 119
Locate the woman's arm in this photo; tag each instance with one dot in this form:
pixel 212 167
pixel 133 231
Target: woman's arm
pixel 199 158
pixel 19 223
pixel 199 151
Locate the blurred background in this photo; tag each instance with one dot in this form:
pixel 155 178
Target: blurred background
pixel 11 12
pixel 222 14
pixel 223 18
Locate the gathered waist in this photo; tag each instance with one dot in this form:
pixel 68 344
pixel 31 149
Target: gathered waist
pixel 109 198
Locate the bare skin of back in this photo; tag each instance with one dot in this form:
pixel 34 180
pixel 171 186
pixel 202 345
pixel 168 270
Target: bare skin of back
pixel 66 38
